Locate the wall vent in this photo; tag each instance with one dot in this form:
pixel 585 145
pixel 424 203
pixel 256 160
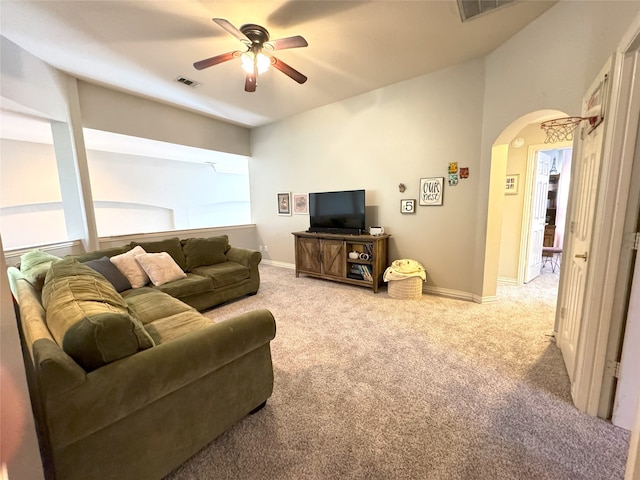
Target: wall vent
pixel 472 8
pixel 188 82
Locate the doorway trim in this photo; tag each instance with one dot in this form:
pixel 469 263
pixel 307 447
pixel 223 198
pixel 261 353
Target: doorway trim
pixel 532 158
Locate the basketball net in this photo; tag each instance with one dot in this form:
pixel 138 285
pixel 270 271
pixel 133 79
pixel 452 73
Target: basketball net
pixel 561 129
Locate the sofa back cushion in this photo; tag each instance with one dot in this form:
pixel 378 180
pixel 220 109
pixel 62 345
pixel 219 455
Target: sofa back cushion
pixel 107 252
pixel 88 318
pixel 205 251
pixel 34 265
pixel 171 245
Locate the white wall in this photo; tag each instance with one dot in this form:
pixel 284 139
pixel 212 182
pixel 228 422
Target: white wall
pixel 548 65
pixel 27 200
pixel 118 112
pixel 194 192
pixel 375 141
pixel 28 81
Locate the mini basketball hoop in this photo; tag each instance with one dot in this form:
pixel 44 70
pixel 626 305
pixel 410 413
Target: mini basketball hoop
pixel 561 129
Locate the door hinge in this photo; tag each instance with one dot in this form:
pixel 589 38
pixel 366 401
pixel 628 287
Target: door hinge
pixel 563 312
pixel 614 368
pixel 636 241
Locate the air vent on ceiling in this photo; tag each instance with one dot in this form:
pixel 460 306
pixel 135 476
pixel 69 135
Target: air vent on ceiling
pixel 472 8
pixel 188 82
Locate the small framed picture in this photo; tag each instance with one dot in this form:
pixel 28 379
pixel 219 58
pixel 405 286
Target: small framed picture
pixel 512 184
pixel 301 203
pixel 408 206
pixel 284 203
pixel 431 190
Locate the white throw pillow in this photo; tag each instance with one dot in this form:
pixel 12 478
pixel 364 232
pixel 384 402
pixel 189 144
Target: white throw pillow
pixel 130 268
pixel 160 267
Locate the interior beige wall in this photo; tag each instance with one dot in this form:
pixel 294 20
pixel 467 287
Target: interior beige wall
pixel 397 134
pixel 548 65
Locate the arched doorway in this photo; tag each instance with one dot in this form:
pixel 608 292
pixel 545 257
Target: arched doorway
pixel 500 152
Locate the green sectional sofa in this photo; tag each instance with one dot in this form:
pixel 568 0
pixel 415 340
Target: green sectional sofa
pixel 215 271
pixel 129 384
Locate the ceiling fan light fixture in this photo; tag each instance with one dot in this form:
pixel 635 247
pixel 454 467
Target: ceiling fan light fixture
pixel 254 62
pixel 259 59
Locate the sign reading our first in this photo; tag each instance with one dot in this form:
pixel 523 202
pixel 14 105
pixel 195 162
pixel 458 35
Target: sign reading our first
pixel 431 190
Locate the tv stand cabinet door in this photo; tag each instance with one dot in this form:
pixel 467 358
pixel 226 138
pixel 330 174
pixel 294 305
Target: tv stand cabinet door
pixel 308 256
pixel 334 258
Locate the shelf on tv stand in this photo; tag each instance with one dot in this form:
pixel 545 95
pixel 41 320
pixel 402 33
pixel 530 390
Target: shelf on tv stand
pixel 326 255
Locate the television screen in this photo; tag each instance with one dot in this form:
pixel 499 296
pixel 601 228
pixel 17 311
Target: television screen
pixel 337 212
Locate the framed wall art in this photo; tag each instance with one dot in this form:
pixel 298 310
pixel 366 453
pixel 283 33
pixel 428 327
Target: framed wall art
pixel 284 203
pixel 301 203
pixel 431 190
pixel 408 205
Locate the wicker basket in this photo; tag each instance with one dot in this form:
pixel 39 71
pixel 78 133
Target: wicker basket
pixel 407 289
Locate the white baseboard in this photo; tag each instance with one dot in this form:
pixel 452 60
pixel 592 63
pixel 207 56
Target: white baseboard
pixel 485 300
pixel 290 266
pixel 507 281
pixel 445 292
pixel 441 292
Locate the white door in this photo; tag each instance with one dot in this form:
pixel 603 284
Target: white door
pixel 538 216
pixel 585 174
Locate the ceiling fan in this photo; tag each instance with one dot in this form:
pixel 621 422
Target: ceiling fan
pixel 257 58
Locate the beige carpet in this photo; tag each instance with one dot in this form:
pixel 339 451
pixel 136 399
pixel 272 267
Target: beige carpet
pixel 367 386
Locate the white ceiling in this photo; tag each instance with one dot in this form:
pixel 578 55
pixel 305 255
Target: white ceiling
pixel 354 46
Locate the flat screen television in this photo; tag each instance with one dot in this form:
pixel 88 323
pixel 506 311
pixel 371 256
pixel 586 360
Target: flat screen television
pixel 337 212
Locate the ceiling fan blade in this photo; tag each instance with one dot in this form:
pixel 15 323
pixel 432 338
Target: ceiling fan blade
pixel 250 80
pixel 232 29
pixel 287 70
pixel 210 62
pixel 289 42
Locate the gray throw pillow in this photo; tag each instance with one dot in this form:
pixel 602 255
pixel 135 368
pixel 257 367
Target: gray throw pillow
pixel 109 271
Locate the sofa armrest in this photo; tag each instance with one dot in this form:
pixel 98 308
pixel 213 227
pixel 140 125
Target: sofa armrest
pixel 244 256
pixel 57 372
pixel 125 386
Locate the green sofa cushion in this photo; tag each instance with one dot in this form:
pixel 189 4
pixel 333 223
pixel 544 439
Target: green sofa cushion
pixel 223 274
pixel 205 251
pixel 88 318
pixel 172 246
pixel 107 252
pixel 169 328
pixel 150 304
pixel 192 285
pixel 34 266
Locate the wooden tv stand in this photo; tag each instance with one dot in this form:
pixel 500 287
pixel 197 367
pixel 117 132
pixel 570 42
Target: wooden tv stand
pixel 326 255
